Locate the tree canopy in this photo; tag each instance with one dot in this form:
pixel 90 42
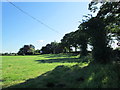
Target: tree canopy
pixel 27 50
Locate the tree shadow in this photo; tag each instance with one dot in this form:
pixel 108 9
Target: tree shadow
pixel 61 60
pixel 91 76
pixel 59 55
pixel 57 78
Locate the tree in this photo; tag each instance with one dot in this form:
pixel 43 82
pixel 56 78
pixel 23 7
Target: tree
pixel 56 47
pixel 67 41
pixel 110 13
pixel 46 49
pixel 96 27
pixel 82 41
pixel 96 30
pixel 27 50
pixel 76 39
pixel 52 48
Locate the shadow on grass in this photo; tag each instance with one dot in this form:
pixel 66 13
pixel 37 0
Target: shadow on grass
pixel 61 60
pixel 91 76
pixel 60 77
pixel 59 55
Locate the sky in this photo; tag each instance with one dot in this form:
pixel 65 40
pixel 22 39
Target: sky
pixel 18 29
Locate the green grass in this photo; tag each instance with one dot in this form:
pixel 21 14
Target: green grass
pixel 17 69
pixel 58 71
pixel 77 76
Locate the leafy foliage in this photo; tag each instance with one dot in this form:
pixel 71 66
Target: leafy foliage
pixel 27 50
pixel 53 48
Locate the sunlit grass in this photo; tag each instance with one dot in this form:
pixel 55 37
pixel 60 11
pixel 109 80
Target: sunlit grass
pixel 79 73
pixel 17 69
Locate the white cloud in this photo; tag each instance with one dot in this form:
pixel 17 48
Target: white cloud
pixel 40 41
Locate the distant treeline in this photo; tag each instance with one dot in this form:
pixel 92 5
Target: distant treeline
pixel 8 54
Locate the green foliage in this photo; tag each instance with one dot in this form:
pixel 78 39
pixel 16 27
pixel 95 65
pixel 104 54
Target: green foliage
pixel 82 40
pixel 99 29
pixel 95 28
pixel 27 50
pixel 75 39
pixel 53 48
pixel 37 52
pixel 102 76
pixel 109 11
pixel 68 41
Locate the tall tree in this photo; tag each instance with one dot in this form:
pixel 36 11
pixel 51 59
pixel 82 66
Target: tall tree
pixel 96 26
pixel 81 39
pixel 110 12
pixel 96 30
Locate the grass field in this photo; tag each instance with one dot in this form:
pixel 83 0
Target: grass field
pixel 58 70
pixel 17 69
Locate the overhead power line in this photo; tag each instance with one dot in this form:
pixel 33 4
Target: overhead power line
pixel 34 17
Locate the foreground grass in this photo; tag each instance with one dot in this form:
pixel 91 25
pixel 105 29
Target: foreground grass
pixel 64 71
pixel 17 69
pixel 77 76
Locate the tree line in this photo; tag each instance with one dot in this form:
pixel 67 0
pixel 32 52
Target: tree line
pixel 97 31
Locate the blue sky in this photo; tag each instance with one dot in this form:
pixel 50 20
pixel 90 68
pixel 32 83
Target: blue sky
pixel 19 29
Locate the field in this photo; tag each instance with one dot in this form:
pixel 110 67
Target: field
pixel 17 69
pixel 58 70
